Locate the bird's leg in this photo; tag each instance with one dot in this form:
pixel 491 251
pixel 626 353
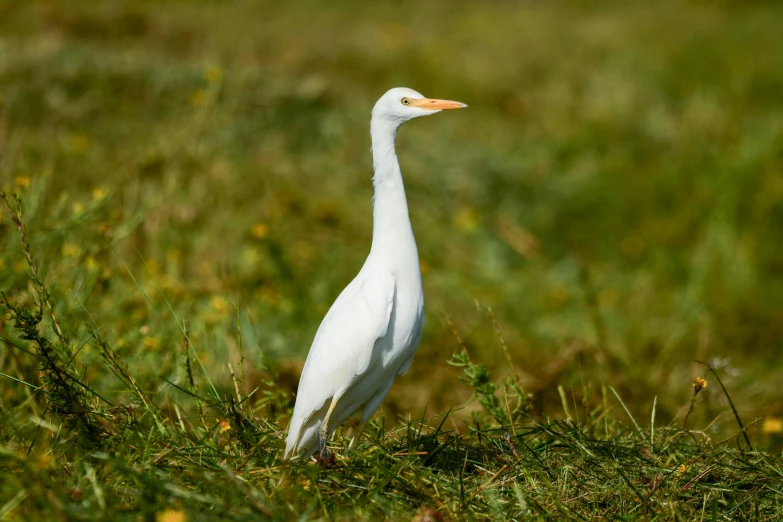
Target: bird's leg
pixel 323 432
pixel 357 435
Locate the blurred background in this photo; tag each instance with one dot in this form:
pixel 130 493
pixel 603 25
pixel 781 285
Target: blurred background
pixel 614 193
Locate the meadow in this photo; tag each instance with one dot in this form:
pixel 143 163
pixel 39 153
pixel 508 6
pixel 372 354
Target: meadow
pixel 187 188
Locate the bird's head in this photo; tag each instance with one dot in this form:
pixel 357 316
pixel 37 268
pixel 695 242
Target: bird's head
pixel 401 104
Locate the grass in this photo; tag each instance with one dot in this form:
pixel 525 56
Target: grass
pixel 193 192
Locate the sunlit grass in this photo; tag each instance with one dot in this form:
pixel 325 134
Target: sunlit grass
pixel 608 206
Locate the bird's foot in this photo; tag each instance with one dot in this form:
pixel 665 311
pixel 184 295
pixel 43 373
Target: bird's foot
pixel 329 462
pixel 325 459
pixel 322 439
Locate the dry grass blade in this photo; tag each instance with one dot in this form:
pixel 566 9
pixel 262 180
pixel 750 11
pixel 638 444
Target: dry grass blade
pixel 731 403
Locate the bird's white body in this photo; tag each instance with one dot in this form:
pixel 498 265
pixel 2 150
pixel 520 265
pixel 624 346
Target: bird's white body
pixel 372 330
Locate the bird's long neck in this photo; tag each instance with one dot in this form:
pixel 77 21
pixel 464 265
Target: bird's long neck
pixel 392 233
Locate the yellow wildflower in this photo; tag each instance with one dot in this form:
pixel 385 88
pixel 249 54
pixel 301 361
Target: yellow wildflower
pixel 153 266
pixel 91 264
pixel 213 73
pixel 270 295
pixel 698 384
pixel 559 295
pixel 199 98
pixel 173 255
pixel 22 182
pixel 772 425
pixel 171 515
pixel 682 468
pixel 224 426
pixel 70 250
pixel 219 304
pixel 466 219
pixel 43 461
pixel 259 230
pixel 204 268
pixel 79 143
pixel 151 343
pixel 168 283
pixel 251 256
pixel 99 193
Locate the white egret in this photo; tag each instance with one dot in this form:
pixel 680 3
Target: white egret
pixel 372 330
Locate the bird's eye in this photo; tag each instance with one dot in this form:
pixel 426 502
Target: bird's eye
pixel 406 101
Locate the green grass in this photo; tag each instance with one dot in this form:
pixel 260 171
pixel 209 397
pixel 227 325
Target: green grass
pixel 194 182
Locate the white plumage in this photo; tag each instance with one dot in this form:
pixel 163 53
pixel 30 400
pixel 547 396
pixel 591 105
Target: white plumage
pixel 372 330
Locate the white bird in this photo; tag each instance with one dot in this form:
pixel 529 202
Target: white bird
pixel 372 330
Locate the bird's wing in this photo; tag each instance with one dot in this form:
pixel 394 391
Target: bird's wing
pixel 343 345
pixel 406 364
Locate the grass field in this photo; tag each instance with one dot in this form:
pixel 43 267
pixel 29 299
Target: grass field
pixel 187 189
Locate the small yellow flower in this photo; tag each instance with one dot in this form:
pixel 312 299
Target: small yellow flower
pixel 306 484
pixel 259 230
pixel 171 515
pixel 91 264
pixel 698 384
pixel 772 425
pixel 213 73
pixel 270 296
pixel 79 143
pixel 204 268
pixel 559 295
pixel 199 98
pixel 153 266
pixel 466 219
pixel 70 250
pixel 251 256
pixel 22 182
pixel 682 468
pixel 224 426
pixel 167 282
pixel 43 461
pixel 219 304
pixel 99 193
pixel 173 255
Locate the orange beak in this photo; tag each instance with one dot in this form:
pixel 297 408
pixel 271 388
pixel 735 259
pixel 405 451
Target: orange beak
pixel 437 105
